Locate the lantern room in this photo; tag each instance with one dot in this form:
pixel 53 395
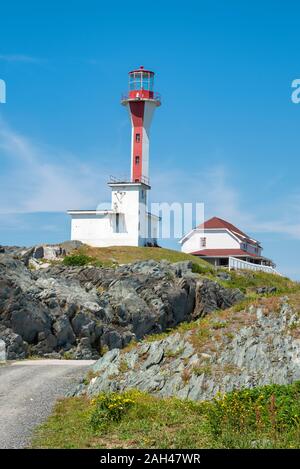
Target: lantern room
pixel 141 84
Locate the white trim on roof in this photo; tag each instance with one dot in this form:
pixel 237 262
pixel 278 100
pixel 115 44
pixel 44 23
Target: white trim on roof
pixel 203 230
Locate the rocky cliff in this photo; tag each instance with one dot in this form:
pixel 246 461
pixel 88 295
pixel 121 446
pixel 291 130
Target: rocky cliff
pixel 79 312
pixel 228 350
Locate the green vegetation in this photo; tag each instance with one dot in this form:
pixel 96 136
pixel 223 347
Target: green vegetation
pixel 264 417
pixel 77 259
pixel 110 407
pixel 114 255
pixel 248 281
pixel 199 268
pixel 267 416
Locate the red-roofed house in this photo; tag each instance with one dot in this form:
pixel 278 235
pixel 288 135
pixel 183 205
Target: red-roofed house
pixel 223 244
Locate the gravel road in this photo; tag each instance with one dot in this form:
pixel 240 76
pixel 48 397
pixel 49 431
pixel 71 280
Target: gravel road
pixel 28 391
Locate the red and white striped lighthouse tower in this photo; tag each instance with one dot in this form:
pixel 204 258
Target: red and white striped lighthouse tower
pixel 141 102
pixel 128 222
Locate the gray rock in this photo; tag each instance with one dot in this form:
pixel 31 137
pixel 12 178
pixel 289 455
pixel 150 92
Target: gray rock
pixel 57 308
pixel 155 354
pixel 113 356
pixel 16 348
pixel 38 252
pixel 29 322
pixel 266 290
pixel 63 331
pixel 45 345
pixel 2 351
pixel 255 356
pixel 211 296
pixel 224 276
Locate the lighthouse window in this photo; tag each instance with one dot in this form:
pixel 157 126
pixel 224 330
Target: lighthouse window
pixel 131 84
pixel 145 81
pixel 137 81
pixel 137 138
pixel 137 160
pixel 203 242
pixel 151 83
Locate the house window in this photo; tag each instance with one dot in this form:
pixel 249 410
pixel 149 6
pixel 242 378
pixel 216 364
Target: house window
pixel 203 242
pixel 137 160
pixel 137 138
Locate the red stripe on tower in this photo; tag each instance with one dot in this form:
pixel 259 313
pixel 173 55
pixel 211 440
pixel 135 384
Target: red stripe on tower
pixel 137 115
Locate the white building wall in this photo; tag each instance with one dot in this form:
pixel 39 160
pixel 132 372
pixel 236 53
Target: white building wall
pixel 90 229
pixel 94 231
pixel 100 230
pixel 216 239
pixel 126 202
pixel 129 207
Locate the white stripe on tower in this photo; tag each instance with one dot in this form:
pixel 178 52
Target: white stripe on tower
pixel 148 114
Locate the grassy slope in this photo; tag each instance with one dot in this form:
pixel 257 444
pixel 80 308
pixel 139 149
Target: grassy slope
pixel 248 281
pixel 128 254
pixel 266 417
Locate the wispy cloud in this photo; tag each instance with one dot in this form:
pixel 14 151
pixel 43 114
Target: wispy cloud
pixel 215 187
pixel 19 58
pixel 38 179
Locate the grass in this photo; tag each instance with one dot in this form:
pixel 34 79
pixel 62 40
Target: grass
pixel 127 254
pixel 265 417
pixel 248 281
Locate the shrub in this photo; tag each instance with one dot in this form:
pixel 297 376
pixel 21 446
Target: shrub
pixel 271 409
pixel 111 407
pixel 201 269
pixel 77 259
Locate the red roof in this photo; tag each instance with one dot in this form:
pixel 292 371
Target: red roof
pixel 216 222
pixel 223 253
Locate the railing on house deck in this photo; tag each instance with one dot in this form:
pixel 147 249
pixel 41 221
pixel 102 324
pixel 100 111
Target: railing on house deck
pixel 235 263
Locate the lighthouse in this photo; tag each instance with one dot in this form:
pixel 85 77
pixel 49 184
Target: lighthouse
pixel 128 221
pixel 141 102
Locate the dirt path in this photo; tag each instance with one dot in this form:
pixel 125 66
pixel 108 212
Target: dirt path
pixel 28 391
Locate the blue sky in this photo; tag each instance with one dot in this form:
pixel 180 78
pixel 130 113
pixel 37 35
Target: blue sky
pixel 227 132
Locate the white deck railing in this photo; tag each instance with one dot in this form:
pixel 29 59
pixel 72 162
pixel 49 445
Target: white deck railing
pixel 235 263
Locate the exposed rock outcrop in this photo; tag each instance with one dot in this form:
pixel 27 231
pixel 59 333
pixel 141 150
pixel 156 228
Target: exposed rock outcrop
pixel 257 346
pixel 2 350
pixel 81 310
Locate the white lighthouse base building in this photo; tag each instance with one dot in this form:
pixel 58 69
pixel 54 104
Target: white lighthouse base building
pixel 126 223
